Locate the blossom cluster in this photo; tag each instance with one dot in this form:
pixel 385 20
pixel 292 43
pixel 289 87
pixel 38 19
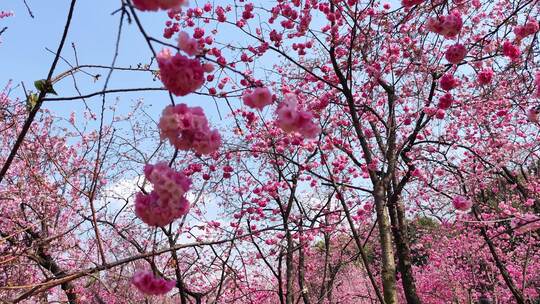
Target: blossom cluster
pixel 154 5
pixel 449 26
pixel 510 50
pixel 291 118
pixel 485 76
pixel 411 3
pixel 166 202
pixel 149 284
pixel 258 98
pixel 461 203
pixel 448 82
pixel 181 75
pixel 530 28
pixel 455 53
pixel 446 101
pixel 187 128
pixel 188 44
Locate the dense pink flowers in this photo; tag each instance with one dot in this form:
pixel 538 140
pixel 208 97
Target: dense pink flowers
pixel 154 5
pixel 448 82
pixel 180 74
pixel 258 98
pixel 166 202
pixel 485 76
pixel 147 283
pixel 449 26
pixel 411 3
pixel 530 28
pixel 187 128
pixel 510 50
pixel 445 101
pixel 188 44
pixel 290 118
pixel 455 53
pixel 461 203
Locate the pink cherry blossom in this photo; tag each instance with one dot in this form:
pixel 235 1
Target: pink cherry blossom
pixel 147 283
pixel 154 5
pixel 485 76
pixel 188 44
pixel 440 114
pixel 180 75
pixel 166 202
pixel 290 118
pixel 258 98
pixel 411 3
pixel 449 26
pixel 510 50
pixel 397 117
pixel 448 82
pixel 528 29
pixel 455 53
pixel 461 203
pixel 445 101
pixel 187 128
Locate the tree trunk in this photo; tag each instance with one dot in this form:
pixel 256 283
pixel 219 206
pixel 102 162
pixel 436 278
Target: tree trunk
pixel 388 272
pixel 47 262
pixel 289 262
pixel 401 237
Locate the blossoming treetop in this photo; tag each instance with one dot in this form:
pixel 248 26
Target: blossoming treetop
pixel 372 152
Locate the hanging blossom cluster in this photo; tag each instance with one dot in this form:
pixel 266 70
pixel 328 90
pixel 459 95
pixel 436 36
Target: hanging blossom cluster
pixel 291 118
pixel 485 76
pixel 448 82
pixel 187 128
pixel 455 53
pixel 147 283
pixel 167 201
pixel 448 26
pixel 258 98
pixel 461 203
pixel 511 51
pixel 530 28
pixel 411 3
pixel 181 75
pixel 154 5
pixel 188 44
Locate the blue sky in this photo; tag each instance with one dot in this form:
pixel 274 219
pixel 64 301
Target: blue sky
pixel 24 58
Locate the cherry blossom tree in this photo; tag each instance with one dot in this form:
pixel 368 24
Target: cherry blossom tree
pixel 365 152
